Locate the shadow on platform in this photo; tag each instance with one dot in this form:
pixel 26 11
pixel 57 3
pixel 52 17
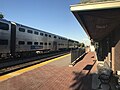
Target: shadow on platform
pixel 83 79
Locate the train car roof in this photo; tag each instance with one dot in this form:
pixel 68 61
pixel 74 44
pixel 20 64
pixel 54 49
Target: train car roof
pixel 4 20
pixel 39 30
pixel 73 40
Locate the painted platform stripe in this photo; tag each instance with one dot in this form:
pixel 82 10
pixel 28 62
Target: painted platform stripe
pixel 7 76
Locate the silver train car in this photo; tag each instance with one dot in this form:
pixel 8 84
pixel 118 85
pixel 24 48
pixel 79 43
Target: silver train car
pixel 17 40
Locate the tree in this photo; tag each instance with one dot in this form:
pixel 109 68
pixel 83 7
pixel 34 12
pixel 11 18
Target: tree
pixel 81 45
pixel 1 15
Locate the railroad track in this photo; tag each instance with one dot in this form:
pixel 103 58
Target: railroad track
pixel 11 66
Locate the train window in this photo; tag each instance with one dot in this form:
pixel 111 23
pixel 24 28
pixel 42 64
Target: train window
pixel 21 29
pixel 41 43
pixel 46 35
pixel 35 43
pixel 3 42
pixel 45 43
pixel 41 34
pixel 21 42
pixel 49 35
pixel 55 37
pixel 29 43
pixel 35 32
pixel 4 26
pixel 49 43
pixel 59 37
pixel 30 31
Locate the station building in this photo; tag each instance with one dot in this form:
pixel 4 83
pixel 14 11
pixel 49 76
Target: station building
pixel 100 19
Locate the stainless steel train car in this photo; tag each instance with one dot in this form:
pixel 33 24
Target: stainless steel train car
pixel 17 40
pixel 72 44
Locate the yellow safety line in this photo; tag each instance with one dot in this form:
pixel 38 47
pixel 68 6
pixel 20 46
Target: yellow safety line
pixel 4 77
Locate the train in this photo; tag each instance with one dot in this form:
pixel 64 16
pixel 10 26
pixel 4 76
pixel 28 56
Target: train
pixel 17 40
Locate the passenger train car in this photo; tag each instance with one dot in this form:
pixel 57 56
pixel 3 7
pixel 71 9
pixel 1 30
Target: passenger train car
pixel 17 40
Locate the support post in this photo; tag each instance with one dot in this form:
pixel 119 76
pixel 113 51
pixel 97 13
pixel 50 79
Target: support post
pixel 113 59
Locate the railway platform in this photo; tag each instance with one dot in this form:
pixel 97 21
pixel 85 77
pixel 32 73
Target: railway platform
pixel 53 75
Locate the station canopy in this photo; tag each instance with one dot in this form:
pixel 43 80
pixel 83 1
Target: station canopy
pixel 98 19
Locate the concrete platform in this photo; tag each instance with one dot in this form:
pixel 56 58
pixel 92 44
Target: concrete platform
pixel 56 75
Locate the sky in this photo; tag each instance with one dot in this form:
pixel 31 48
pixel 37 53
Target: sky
pixel 52 16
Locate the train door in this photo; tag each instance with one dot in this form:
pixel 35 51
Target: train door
pixel 13 39
pixel 54 46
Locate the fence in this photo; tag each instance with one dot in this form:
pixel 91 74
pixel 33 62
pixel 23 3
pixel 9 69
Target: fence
pixel 76 54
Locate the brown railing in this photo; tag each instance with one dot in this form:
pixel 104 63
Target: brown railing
pixel 76 54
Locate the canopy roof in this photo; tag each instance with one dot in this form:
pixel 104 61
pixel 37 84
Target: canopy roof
pixel 98 19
